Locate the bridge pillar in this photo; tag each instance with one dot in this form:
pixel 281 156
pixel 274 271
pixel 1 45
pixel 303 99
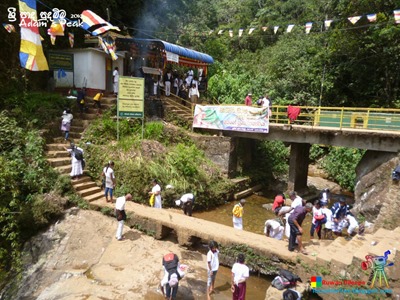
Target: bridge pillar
pixel 298 166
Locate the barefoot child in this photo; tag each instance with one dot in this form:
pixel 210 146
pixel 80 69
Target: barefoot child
pixel 212 267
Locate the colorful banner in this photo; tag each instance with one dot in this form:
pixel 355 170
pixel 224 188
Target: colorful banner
pixel 71 39
pixel 328 24
pixel 232 117
pixel 240 32
pixel 90 19
pixel 31 54
pixel 371 17
pixel 251 30
pixel 354 20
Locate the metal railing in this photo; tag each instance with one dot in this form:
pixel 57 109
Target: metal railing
pixel 340 117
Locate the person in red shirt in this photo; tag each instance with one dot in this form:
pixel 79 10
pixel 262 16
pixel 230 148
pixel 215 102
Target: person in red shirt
pixel 279 201
pixel 247 100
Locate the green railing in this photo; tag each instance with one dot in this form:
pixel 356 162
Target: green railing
pixel 341 117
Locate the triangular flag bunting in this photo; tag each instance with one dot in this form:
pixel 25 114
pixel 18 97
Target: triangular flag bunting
pixel 53 39
pixel 289 28
pixel 264 28
pixel 371 17
pixel 56 28
pixel 220 31
pixel 354 20
pixel 397 16
pixel 251 30
pixel 308 27
pixel 9 27
pixel 240 32
pixel 71 39
pixel 328 24
pixel 276 29
pixel 210 32
pixel 231 33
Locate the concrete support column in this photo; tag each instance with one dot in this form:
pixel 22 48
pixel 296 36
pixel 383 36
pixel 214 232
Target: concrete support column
pixel 298 166
pixel 233 158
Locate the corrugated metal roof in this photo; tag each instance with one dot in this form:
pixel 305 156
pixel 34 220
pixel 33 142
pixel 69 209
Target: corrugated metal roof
pixel 181 51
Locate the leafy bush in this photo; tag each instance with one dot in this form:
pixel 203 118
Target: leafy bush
pixel 316 152
pixel 341 163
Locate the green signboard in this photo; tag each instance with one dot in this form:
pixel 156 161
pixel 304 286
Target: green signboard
pixel 58 60
pixel 131 97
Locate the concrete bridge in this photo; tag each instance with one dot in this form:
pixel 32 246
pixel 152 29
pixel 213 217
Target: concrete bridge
pixel 372 129
pixel 330 259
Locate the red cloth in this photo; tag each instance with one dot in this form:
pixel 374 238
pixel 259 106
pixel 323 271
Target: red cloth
pixel 240 291
pixel 293 112
pixel 278 201
pixel 247 101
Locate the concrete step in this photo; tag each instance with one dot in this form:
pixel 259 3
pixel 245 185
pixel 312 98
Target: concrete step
pixel 88 116
pixel 77 121
pixel 75 135
pixel 339 253
pixel 59 161
pixel 57 147
pixel 80 186
pixel 89 191
pixel 54 154
pixel 81 179
pixel 96 196
pixel 77 128
pixel 64 169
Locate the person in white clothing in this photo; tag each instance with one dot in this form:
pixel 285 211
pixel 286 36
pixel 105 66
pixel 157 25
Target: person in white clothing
pixel 120 214
pixel 66 122
pixel 237 213
pixel 212 267
pixel 327 231
pixel 76 161
pixel 273 229
pixel 115 80
pixel 240 273
pixel 156 191
pixel 187 203
pixel 351 225
pixel 108 174
pixel 176 85
pixel 167 83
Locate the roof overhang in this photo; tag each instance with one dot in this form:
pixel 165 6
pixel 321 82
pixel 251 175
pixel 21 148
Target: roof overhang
pixel 174 49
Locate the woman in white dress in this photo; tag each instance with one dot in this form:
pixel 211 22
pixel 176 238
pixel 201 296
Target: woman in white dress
pixel 76 161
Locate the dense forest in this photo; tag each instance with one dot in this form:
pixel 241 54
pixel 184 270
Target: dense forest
pixel 343 65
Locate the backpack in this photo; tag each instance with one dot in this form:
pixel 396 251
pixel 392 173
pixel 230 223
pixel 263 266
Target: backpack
pixel 291 295
pixel 78 154
pixel 290 276
pixel 170 262
pixel 280 282
pixel 260 102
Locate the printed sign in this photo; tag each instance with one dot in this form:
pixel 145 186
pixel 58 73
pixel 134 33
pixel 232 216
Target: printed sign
pixel 232 117
pixel 59 60
pixel 131 97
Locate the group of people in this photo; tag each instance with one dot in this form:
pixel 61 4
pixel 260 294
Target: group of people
pixel 263 102
pixel 325 221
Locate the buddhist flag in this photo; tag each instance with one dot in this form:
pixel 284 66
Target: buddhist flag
pixel 264 28
pixel 90 19
pixel 308 27
pixel 31 54
pixel 110 44
pixel 53 39
pixel 220 31
pixel 289 28
pixel 240 32
pixel 210 32
pixel 71 38
pixel 9 27
pixel 251 30
pixel 103 45
pixel 328 24
pixel 276 29
pixel 231 33
pixel 56 28
pixel 371 17
pixel 397 16
pixel 354 20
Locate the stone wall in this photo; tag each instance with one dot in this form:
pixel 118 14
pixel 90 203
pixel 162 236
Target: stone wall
pixel 377 197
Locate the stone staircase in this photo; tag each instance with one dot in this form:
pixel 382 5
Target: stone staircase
pixel 60 159
pixel 179 106
pixel 342 254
